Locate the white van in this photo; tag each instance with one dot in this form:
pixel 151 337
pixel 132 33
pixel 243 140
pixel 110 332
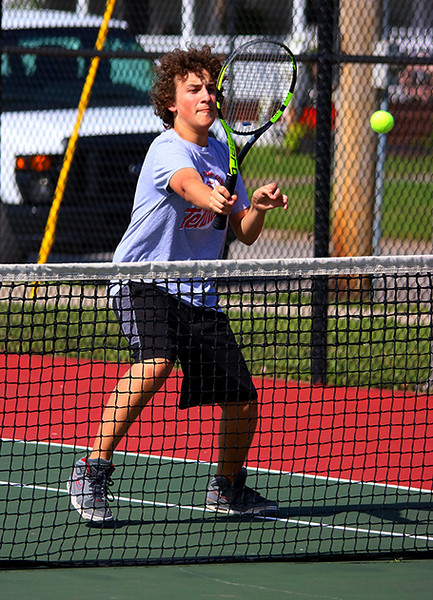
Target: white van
pixel 40 95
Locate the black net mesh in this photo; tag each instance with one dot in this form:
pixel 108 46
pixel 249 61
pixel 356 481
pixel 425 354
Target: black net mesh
pixel 348 461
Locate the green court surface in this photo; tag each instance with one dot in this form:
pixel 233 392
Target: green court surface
pixel 160 515
pixel 384 580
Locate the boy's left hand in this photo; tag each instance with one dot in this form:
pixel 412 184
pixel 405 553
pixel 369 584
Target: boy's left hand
pixel 267 197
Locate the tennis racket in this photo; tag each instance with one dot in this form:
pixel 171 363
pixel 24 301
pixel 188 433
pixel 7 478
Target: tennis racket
pixel 254 86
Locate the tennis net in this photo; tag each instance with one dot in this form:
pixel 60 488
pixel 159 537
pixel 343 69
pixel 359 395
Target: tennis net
pixel 340 353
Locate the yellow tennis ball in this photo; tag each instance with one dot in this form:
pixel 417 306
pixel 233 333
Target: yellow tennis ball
pixel 381 121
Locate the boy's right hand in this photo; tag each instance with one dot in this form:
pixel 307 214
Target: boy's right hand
pixel 220 200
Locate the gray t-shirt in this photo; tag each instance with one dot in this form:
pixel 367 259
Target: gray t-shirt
pixel 164 226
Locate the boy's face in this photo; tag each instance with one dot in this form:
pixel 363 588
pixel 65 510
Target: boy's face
pixel 195 103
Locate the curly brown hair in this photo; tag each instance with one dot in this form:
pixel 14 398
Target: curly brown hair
pixel 179 63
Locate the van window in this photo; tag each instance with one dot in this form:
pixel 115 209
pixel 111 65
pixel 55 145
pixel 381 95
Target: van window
pixel 46 82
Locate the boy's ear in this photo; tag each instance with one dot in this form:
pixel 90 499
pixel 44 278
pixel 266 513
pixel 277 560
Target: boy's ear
pixel 170 107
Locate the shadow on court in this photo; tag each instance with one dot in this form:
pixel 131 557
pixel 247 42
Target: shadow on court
pixel 393 513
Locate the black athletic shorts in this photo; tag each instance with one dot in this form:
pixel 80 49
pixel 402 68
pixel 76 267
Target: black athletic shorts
pixel 159 325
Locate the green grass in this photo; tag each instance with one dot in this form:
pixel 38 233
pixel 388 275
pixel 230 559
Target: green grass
pixel 407 203
pixel 404 165
pixel 268 162
pixel 407 210
pixel 363 350
pixel 34 328
pixel 374 349
pixel 300 213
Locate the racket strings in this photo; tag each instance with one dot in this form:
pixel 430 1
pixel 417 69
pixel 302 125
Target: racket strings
pixel 255 85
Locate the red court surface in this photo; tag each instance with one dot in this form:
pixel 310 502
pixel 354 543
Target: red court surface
pixel 373 435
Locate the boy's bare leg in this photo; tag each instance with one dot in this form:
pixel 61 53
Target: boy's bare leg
pixel 132 393
pixel 228 492
pixel 237 427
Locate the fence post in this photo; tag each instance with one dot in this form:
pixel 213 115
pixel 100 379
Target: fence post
pixel 326 36
pixel 355 141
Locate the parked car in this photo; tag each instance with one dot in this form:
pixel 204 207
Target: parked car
pixel 40 96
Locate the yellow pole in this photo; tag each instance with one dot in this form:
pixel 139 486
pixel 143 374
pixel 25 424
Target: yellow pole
pixel 50 228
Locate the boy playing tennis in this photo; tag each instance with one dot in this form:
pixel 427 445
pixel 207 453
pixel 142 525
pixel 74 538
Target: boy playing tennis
pixel 178 192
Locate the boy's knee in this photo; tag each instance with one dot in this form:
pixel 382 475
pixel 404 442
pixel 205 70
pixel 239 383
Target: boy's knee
pixel 241 410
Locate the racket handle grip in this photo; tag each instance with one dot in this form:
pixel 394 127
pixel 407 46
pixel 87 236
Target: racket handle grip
pixel 220 221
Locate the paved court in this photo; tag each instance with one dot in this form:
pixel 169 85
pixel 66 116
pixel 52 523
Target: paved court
pixel 384 580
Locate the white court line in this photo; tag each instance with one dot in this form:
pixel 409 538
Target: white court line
pixel 175 459
pixel 127 499
pixel 310 523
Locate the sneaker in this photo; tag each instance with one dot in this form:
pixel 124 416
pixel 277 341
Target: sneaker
pixel 88 488
pixel 237 498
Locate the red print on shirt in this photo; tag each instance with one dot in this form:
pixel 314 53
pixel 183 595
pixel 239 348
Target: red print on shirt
pixel 197 218
pixel 200 218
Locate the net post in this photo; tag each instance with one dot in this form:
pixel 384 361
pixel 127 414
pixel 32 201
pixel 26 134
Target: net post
pixel 326 36
pixel 319 330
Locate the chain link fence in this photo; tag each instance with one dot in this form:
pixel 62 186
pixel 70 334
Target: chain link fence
pixel 351 191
